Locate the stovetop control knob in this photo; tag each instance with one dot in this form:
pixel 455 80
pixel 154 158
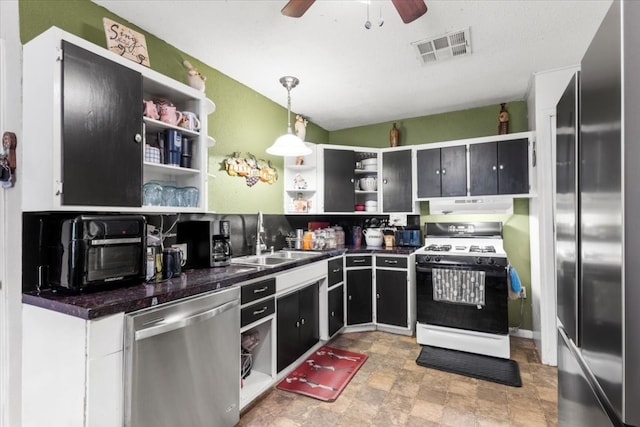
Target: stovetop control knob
pixel 491 261
pixel 478 260
pixel 436 259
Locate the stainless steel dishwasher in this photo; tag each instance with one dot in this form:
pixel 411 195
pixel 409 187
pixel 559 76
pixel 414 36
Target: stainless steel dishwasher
pixel 182 363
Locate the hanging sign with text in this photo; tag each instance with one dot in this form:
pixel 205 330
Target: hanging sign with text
pixel 126 42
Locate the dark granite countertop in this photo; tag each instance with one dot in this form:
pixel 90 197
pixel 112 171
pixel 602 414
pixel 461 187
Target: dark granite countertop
pixel 92 305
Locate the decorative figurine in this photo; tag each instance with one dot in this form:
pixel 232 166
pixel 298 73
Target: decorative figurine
pixel 301 126
pixel 299 160
pixel 394 136
pixel 195 79
pixel 503 120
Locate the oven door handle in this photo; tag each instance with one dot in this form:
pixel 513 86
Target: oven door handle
pixel 420 269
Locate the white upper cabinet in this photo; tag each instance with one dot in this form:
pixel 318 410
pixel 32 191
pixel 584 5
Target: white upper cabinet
pixel 87 143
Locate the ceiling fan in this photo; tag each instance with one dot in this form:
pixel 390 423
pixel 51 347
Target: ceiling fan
pixel 409 10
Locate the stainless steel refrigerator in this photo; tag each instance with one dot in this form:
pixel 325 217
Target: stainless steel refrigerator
pixel 597 224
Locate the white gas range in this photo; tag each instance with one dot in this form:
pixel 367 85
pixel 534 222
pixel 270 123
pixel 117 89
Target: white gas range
pixel 462 288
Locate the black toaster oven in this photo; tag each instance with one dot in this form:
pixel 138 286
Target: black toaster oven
pixel 92 251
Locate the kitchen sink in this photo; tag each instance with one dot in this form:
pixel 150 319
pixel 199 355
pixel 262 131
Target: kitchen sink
pixel 292 255
pixel 272 259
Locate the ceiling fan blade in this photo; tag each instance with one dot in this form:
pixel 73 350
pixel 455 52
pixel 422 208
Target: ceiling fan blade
pixel 410 10
pixel 296 8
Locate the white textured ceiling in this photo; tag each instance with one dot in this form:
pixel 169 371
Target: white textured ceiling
pixel 351 76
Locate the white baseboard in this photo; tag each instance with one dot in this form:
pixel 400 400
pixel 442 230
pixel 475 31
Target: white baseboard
pixel 521 333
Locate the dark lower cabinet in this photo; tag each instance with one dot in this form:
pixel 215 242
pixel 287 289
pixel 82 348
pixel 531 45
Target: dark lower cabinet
pixel 397 181
pixel 339 180
pixel 442 172
pixel 101 131
pixel 336 309
pixel 359 296
pixel 391 297
pixel 499 167
pixel 297 324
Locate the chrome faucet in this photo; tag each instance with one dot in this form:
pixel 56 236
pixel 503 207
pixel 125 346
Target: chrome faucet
pixel 260 245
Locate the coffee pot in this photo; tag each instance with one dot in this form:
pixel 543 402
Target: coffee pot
pixel 220 245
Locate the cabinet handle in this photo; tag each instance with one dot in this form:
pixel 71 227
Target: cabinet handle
pixel 359 261
pixel 384 181
pixel 260 311
pixel 437 171
pixel 297 324
pixel 501 167
pixel 444 171
pixel 494 167
pixel 390 261
pixel 137 138
pixel 349 297
pixel 302 321
pixel 352 180
pixel 337 270
pixel 333 314
pixel 378 296
pixel 257 291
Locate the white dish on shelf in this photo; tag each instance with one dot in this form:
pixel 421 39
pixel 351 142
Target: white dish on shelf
pixel 370 167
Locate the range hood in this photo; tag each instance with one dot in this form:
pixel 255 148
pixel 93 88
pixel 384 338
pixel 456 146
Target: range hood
pixel 488 205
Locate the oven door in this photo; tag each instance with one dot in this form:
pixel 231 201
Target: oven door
pixel 490 317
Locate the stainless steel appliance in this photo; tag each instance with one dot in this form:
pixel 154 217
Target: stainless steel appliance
pixel 182 362
pixel 91 251
pixel 208 243
pixel 462 288
pixel 598 229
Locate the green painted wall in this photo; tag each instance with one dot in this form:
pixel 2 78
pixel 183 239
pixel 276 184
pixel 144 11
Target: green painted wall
pixel 471 123
pixel 246 121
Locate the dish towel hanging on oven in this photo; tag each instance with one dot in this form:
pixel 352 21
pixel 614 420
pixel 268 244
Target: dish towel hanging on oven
pixel 458 286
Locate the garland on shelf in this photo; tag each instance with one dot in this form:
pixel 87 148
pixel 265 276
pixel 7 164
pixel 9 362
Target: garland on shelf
pixel 252 169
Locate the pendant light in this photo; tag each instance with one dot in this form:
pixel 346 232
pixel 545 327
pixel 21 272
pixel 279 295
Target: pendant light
pixel 289 144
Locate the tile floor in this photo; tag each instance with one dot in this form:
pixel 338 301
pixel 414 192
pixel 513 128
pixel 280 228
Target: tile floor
pixel 391 390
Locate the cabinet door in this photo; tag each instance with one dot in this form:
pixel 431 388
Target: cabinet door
pixel 391 297
pixel 308 310
pixel 102 114
pixel 396 181
pixel 359 294
pixel 335 273
pixel 287 326
pixel 513 167
pixel 336 309
pixel 339 186
pixel 453 165
pixel 483 165
pixel 428 172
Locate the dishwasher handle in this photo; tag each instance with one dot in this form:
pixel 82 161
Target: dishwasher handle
pixel 178 323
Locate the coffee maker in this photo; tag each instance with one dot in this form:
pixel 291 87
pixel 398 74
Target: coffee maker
pixel 208 243
pixel 220 244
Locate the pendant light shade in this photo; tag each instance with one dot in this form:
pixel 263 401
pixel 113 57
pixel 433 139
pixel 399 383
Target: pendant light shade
pixel 289 144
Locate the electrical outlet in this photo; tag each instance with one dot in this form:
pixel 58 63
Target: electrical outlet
pixel 523 292
pixel 183 249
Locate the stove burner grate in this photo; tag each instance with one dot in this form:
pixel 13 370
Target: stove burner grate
pixel 438 248
pixel 482 249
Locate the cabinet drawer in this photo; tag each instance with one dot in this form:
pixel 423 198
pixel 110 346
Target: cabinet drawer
pixel 257 311
pixel 359 261
pixel 335 271
pixel 257 290
pixel 391 261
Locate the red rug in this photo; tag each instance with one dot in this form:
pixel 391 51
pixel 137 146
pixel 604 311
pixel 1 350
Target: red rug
pixel 324 374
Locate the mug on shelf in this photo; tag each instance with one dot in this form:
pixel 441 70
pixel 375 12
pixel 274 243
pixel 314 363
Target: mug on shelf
pixel 189 121
pixel 169 114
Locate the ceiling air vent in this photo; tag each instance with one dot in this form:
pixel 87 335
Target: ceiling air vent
pixel 436 49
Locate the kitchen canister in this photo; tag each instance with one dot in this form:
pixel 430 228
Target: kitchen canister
pixel 172 147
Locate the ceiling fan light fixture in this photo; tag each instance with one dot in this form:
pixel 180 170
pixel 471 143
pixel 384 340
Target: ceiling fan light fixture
pixel 289 144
